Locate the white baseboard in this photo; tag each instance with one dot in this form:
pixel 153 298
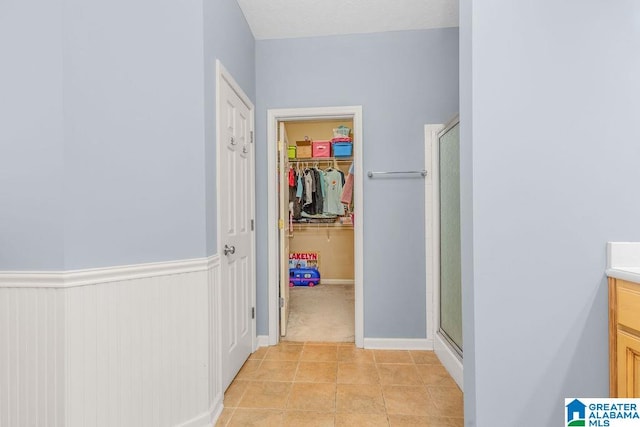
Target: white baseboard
pixel 262 341
pixel 202 420
pixel 449 360
pixel 399 343
pixel 214 412
pixel 337 282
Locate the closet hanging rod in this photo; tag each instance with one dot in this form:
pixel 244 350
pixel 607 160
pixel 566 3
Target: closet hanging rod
pixel 320 160
pixel 422 173
pixel 319 225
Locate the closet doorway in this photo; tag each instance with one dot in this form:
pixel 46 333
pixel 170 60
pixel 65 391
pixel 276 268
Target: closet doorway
pixel 306 230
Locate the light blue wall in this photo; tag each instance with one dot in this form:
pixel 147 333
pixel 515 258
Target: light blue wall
pixel 226 37
pixel 104 162
pixel 555 147
pixel 134 132
pixel 403 80
pixel 31 135
pixel 107 105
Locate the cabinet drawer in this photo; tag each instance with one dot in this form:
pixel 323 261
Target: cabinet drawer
pixel 629 305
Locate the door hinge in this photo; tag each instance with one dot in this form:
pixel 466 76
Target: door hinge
pixel 253 312
pixel 251 225
pixel 251 137
pixel 281 223
pixel 281 302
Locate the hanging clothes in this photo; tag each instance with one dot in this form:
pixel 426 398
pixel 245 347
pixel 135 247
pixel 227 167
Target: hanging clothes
pixel 308 187
pixel 318 200
pixel 334 180
pixel 296 193
pixel 347 191
pixel 292 177
pixel 292 188
pixel 312 197
pixel 299 186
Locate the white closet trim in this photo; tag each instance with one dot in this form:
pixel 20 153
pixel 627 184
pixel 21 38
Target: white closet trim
pixel 300 114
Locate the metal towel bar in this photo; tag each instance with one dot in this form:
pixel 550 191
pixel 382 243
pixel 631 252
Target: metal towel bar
pixel 423 173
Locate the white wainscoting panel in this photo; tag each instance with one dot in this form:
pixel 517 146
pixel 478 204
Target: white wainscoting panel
pixel 216 393
pixel 138 351
pixel 122 346
pixel 31 357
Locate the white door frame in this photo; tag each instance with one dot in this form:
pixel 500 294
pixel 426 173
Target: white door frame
pixel 298 114
pixel 223 74
pixel 447 356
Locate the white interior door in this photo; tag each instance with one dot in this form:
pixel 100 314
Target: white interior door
pixel 235 187
pixel 283 226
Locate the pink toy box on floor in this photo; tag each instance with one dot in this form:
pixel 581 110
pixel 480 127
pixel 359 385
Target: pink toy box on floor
pixel 303 277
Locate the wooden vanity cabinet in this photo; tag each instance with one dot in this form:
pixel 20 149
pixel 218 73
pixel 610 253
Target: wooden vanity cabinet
pixel 624 338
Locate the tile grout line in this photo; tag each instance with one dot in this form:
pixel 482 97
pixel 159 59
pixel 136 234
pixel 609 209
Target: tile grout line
pixel 233 411
pixel 335 395
pixel 384 400
pixel 293 381
pixel 251 379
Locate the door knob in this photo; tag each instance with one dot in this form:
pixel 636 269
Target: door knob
pixel 229 249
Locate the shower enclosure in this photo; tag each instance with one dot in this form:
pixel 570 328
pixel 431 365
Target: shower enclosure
pixel 450 295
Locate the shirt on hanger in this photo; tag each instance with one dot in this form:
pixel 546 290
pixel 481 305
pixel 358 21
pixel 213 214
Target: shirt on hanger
pixel 308 187
pixel 299 186
pixel 334 179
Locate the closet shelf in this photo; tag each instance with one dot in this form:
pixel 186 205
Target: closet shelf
pixel 320 225
pixel 323 159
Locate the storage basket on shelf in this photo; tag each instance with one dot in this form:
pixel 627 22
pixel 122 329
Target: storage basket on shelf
pixel 303 149
pixel 291 151
pixel 342 149
pixel 321 148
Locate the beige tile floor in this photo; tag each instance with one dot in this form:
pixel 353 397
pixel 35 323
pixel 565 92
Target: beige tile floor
pixel 337 384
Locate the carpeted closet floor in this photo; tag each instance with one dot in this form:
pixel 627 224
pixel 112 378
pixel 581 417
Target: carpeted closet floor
pixel 321 313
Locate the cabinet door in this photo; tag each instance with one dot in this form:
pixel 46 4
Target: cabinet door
pixel 628 365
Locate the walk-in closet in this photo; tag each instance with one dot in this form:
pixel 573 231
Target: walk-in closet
pixel 316 200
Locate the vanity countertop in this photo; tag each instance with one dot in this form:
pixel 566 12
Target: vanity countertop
pixel 623 261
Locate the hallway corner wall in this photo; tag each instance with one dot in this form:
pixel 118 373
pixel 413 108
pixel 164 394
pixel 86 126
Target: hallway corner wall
pixel 554 143
pixel 106 160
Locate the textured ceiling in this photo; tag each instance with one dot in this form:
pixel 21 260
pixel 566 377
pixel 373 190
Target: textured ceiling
pixel 277 19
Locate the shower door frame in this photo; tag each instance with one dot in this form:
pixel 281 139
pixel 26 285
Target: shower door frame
pixel 445 351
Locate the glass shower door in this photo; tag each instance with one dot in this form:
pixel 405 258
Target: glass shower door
pixel 450 303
